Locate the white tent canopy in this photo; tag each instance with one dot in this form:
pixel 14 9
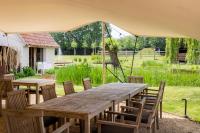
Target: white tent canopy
pixel 175 18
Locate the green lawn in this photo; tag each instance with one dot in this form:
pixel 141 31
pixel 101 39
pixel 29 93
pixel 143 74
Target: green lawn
pixel 173 100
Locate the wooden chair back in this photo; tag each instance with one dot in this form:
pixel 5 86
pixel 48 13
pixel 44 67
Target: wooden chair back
pixel 5 87
pixel 68 87
pixel 48 92
pixel 135 79
pixel 137 109
pixel 17 100
pixel 23 121
pixel 140 107
pixel 2 70
pixel 158 99
pixel 87 83
pixel 162 87
pixel 119 123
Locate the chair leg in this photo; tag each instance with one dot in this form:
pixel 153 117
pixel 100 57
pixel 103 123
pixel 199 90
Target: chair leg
pixel 47 129
pixel 136 130
pixel 0 107
pixel 154 127
pixel 161 109
pixel 99 128
pixel 157 120
pixel 81 126
pixel 149 130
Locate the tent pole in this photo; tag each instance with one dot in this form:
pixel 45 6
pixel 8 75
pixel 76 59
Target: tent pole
pixel 103 53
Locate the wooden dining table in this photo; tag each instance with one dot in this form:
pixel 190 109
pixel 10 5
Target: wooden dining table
pixel 33 82
pixel 88 104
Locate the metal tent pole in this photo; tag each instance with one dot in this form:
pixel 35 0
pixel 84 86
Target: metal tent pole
pixel 103 53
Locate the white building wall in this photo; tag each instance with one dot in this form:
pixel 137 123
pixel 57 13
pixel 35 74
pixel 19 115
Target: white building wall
pixel 49 55
pixel 15 42
pixel 24 60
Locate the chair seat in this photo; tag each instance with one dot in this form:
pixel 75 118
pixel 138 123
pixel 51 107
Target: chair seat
pixel 31 91
pixel 148 106
pixel 49 120
pixel 144 118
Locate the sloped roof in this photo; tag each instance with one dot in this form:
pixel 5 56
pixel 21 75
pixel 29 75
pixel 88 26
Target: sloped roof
pixel 39 40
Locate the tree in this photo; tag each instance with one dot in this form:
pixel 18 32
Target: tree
pixel 94 45
pixel 74 46
pixel 90 33
pixel 172 47
pixel 126 43
pixel 85 45
pixel 193 48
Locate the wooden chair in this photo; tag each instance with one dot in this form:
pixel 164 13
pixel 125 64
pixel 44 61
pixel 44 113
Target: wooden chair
pixel 5 86
pixel 115 122
pixel 48 92
pixel 135 79
pixel 68 87
pixel 151 95
pixel 87 83
pixel 17 101
pixel 150 112
pixel 26 121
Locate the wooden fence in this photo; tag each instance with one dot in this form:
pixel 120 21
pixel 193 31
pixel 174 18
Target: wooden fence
pixel 153 54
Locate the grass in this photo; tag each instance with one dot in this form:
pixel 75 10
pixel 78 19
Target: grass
pixel 183 80
pixel 173 100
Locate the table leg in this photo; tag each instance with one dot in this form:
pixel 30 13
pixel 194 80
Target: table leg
pixel 113 109
pixel 87 125
pixel 28 94
pixel 37 95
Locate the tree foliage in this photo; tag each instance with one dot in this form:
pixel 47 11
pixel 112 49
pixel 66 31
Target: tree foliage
pixel 173 45
pixel 193 54
pixel 89 34
pixel 127 43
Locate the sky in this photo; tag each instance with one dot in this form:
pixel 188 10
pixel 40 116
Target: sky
pixel 116 32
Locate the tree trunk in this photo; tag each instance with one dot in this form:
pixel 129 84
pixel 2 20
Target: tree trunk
pixel 114 58
pixel 84 51
pixel 74 51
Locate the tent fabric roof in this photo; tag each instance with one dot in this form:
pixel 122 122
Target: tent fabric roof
pixel 174 18
pixel 39 40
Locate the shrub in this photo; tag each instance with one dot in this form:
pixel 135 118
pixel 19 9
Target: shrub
pixel 152 64
pixel 97 59
pixel 50 71
pixel 75 59
pixel 26 72
pixel 85 60
pixel 79 59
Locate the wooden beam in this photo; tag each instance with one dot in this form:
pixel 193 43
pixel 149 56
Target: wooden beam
pixel 103 53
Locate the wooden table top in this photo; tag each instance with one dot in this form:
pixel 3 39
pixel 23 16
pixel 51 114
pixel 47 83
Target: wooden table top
pixel 111 91
pixel 33 81
pixel 91 101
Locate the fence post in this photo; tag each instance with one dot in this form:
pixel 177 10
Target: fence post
pixel 140 54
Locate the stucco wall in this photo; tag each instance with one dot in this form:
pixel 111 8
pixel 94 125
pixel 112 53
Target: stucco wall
pixel 16 43
pixel 49 55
